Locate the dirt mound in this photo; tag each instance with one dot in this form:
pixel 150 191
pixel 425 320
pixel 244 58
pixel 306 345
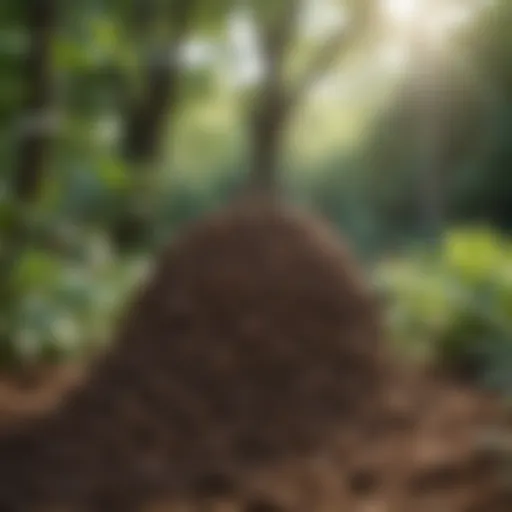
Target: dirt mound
pixel 255 339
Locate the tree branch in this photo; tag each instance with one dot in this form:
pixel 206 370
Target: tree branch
pixel 336 46
pixel 332 49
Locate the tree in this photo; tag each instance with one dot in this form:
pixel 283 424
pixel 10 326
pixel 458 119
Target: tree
pixel 37 128
pixel 485 192
pixel 416 161
pixel 276 99
pixel 148 112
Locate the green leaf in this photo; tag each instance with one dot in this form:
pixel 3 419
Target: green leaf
pixel 34 270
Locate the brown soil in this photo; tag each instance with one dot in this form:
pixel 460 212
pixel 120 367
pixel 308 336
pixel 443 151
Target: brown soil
pixel 249 376
pixel 423 454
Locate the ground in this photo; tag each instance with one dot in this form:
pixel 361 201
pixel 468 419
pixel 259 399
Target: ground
pixel 424 454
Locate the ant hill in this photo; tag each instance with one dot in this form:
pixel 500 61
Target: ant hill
pixel 255 337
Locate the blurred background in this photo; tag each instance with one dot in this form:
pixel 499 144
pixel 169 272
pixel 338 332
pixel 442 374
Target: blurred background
pixel 122 119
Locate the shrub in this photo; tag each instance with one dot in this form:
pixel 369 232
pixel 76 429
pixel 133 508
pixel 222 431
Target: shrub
pixel 60 306
pixel 452 305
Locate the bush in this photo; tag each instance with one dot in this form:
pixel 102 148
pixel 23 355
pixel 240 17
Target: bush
pixel 61 306
pixel 453 305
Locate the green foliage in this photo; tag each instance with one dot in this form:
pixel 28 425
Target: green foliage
pixel 63 306
pixel 68 261
pixel 453 305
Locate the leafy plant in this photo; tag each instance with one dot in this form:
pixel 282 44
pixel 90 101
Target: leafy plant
pixel 63 306
pixel 453 305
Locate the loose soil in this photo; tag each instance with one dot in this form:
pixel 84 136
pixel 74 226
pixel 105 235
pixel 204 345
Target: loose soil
pixel 249 375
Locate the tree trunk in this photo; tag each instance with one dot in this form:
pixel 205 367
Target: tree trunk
pixel 37 123
pixel 268 129
pixel 147 119
pixel 147 116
